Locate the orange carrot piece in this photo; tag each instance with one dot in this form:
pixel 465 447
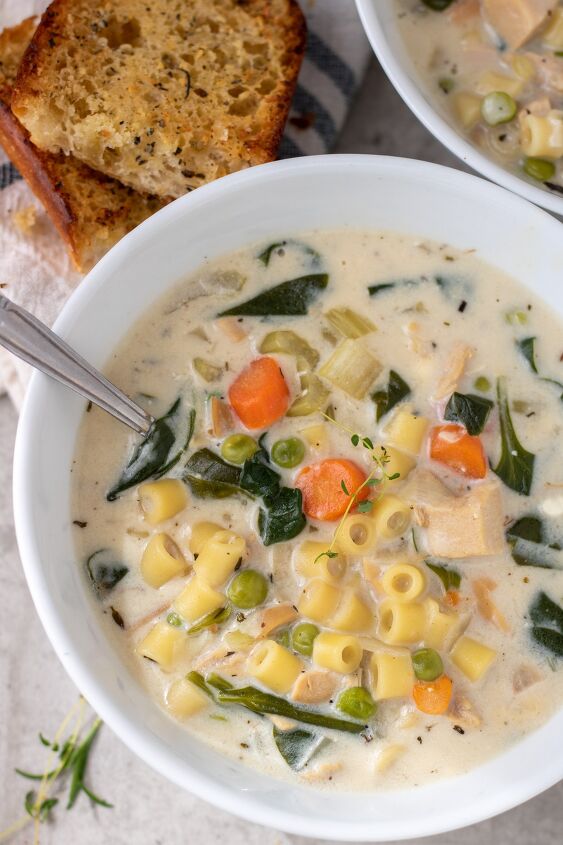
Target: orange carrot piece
pixel 433 697
pixel 452 598
pixel 453 446
pixel 259 395
pixel 321 485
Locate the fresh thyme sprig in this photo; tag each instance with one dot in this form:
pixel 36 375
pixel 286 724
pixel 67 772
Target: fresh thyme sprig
pixel 376 477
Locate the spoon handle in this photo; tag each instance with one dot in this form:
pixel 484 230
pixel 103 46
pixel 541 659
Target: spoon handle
pixel 30 339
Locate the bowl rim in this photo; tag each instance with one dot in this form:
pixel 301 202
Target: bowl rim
pixel 142 742
pixel 371 17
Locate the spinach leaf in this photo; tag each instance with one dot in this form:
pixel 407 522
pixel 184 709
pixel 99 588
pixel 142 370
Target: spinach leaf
pixel 266 254
pixel 516 465
pixel 374 290
pixel 160 449
pixel 281 517
pixel 529 545
pixel 257 478
pixel 386 399
pixel 527 348
pixel 527 528
pixel 437 5
pixel 297 746
pixel 547 619
pixel 470 410
pixel 210 477
pixel 549 639
pixel 450 578
pixel 105 570
pixel 290 298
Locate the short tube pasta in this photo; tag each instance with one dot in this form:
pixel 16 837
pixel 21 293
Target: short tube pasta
pixel 472 657
pixel 162 499
pixel 352 614
pixel 356 535
pixel 162 560
pixel 396 461
pixel 319 600
pixel 274 666
pixel 406 431
pixel 218 557
pixel 400 622
pixel 442 628
pixel 340 653
pixel 197 599
pixel 163 644
pixel 201 533
pixel 542 135
pixel 183 699
pixel 391 517
pixel 403 582
pixel 392 674
pixel 309 563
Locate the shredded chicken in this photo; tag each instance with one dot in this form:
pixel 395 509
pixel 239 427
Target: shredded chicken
pixel 525 676
pixel 281 723
pixel 210 658
pixel 322 771
pixel 231 328
pixel 313 687
pixel 372 574
pixel 463 11
pixel 148 618
pixel 418 344
pixel 455 367
pixel 387 756
pixel 549 70
pixel 221 417
pixel 463 713
pixel 482 588
pixel 517 21
pixel 274 617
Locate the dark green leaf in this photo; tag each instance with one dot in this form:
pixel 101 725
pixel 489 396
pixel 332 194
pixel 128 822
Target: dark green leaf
pixel 527 528
pixel 529 546
pixel 546 613
pixel 297 746
pixel 257 478
pixel 281 517
pixel 386 399
pixel 437 5
pixel 210 477
pixel 355 439
pixel 365 507
pixel 290 298
pixel 78 763
pixel 213 618
pixel 450 578
pixel 527 348
pixel 549 639
pixel 44 741
pixel 42 811
pixel 105 570
pixel 266 254
pixel 516 465
pixel 469 410
pixel 158 451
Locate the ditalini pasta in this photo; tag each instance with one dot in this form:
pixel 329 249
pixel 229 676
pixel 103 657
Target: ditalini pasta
pixel 495 68
pixel 354 529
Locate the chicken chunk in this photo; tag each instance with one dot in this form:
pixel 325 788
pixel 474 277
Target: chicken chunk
pixel 274 617
pixel 516 21
pixel 468 525
pixel 313 687
pixel 549 70
pixel 454 370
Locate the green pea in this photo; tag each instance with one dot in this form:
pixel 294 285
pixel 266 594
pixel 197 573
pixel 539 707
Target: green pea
pixel 302 637
pixel 248 589
pixel 498 107
pixel 427 664
pixel 237 448
pixel 288 453
pixel 283 638
pixel 483 384
pixel 539 168
pixel 357 702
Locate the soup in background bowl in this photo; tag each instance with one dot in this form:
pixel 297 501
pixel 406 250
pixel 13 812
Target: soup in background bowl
pixel 423 654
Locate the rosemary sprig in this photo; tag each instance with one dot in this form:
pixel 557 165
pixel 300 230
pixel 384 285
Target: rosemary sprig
pixel 376 478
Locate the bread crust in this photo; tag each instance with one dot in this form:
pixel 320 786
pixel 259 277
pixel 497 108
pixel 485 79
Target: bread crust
pixel 32 96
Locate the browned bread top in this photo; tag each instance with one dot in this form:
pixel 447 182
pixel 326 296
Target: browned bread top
pixel 90 210
pixel 165 95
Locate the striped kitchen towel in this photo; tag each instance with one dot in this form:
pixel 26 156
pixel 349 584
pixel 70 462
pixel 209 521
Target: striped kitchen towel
pixel 35 270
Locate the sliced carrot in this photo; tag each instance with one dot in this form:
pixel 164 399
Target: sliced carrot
pixel 433 697
pixel 327 486
pixel 453 446
pixel 259 395
pixel 452 598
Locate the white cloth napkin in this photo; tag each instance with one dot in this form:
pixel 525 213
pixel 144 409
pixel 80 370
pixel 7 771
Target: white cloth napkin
pixel 35 270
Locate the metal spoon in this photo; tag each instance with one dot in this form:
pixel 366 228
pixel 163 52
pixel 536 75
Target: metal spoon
pixel 31 340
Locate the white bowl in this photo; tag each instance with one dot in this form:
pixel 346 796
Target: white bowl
pixel 256 205
pixel 379 18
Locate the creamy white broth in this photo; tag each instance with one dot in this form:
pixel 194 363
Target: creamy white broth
pixel 461 58
pixel 418 328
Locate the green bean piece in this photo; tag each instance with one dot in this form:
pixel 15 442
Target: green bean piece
pixel 498 107
pixel 288 453
pixel 427 664
pixel 174 620
pixel 539 168
pixel 262 702
pixel 482 383
pixel 302 637
pixel 248 589
pixel 357 702
pixel 237 448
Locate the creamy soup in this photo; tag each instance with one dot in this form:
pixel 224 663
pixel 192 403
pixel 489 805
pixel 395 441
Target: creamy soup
pixel 497 68
pixel 336 555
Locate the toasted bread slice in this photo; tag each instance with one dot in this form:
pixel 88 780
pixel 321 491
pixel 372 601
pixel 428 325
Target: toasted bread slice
pixel 90 210
pixel 166 95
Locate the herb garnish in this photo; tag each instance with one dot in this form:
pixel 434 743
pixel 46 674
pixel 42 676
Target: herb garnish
pixel 527 348
pixel 297 746
pixel 516 465
pixel 105 570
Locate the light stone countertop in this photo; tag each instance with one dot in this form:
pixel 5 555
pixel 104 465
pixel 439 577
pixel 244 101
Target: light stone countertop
pixel 35 692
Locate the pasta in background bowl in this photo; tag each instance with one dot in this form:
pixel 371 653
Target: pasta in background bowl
pixel 355 193
pixel 496 107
